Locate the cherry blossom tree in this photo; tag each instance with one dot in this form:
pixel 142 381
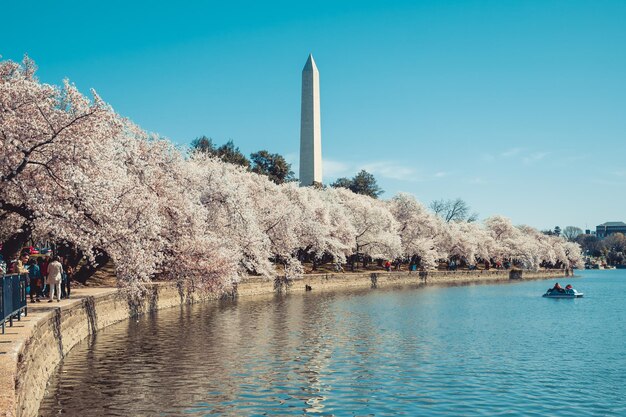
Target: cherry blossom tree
pixel 376 231
pixel 419 230
pixel 225 195
pixel 75 172
pixel 43 128
pixel 320 223
pixel 467 241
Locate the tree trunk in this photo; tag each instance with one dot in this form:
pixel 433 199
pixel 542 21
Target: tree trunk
pixel 88 269
pixel 11 247
pixel 70 253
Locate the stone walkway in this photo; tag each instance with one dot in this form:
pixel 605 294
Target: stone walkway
pixel 13 336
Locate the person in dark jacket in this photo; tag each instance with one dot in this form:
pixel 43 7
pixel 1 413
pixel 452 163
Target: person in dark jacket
pixel 34 273
pixel 68 271
pixel 43 268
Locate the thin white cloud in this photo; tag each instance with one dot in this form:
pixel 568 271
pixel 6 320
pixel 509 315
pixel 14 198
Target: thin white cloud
pixel 600 181
pixel 511 152
pixel 334 169
pixel 508 153
pixel 381 169
pixel 576 158
pixel 477 180
pixel 535 157
pixel 391 170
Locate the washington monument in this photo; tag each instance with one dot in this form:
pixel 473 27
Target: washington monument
pixel 310 126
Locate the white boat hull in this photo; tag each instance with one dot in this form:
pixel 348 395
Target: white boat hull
pixel 566 294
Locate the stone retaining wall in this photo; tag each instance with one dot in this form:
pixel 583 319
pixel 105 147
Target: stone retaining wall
pixel 41 340
pixel 325 282
pixel 49 333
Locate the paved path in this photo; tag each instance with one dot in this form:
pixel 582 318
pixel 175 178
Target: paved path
pixel 15 335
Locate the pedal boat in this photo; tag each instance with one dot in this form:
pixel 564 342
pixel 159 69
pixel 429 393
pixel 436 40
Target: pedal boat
pixel 569 293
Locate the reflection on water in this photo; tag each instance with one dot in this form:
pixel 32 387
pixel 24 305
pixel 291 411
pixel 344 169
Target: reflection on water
pixel 477 350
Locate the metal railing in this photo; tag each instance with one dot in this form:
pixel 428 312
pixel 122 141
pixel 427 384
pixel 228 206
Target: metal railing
pixel 13 298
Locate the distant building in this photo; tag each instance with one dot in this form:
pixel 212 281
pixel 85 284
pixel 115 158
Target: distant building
pixel 608 228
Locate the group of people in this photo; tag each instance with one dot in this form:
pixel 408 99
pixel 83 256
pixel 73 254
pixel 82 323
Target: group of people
pixel 558 288
pixel 47 276
pixel 396 264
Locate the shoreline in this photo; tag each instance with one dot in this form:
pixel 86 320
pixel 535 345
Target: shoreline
pixel 31 350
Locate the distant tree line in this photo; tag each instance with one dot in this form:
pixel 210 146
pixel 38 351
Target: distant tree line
pixel 272 165
pixel 612 247
pixel 276 167
pixel 362 183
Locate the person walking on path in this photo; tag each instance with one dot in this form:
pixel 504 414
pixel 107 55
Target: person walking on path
pixel 55 269
pixel 35 280
pixel 68 271
pixel 43 268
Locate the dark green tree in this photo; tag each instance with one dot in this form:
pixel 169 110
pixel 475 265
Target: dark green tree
pixel 229 153
pixel 615 248
pixel 590 244
pixel 204 145
pixel 362 183
pixel 273 165
pixel 342 183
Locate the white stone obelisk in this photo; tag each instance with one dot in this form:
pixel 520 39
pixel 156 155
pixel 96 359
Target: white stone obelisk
pixel 310 126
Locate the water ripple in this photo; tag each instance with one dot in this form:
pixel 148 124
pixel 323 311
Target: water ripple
pixel 496 350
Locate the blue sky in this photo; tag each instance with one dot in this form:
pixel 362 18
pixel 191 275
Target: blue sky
pixel 518 107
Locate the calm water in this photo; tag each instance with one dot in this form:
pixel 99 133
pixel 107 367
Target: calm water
pixel 458 351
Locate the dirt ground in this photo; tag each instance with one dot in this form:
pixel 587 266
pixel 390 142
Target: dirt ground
pixel 105 277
